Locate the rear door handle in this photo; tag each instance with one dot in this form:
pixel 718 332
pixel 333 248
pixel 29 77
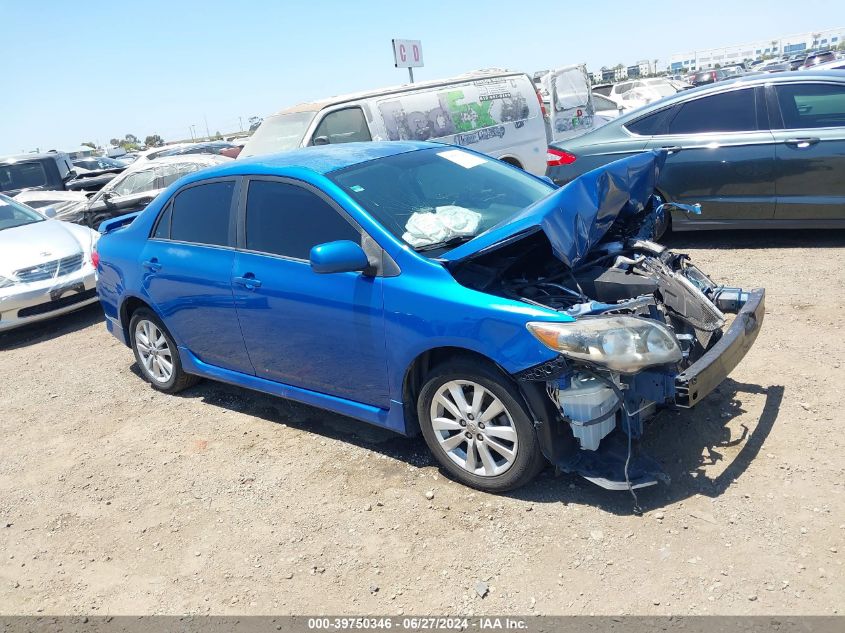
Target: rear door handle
pixel 248 281
pixel 672 149
pixel 152 264
pixel 802 142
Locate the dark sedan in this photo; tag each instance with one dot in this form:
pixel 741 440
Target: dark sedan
pixel 760 151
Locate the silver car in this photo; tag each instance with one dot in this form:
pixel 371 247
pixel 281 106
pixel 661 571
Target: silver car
pixel 46 266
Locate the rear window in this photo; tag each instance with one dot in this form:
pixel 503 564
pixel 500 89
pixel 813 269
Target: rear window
pixel 278 133
pixel 22 176
pixel 651 124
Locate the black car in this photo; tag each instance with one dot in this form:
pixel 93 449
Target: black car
pixel 762 151
pixel 818 58
pixel 703 77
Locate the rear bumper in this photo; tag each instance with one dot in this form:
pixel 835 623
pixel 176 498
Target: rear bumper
pixel 703 376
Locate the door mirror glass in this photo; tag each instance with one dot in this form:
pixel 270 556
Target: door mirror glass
pixel 49 212
pixel 342 256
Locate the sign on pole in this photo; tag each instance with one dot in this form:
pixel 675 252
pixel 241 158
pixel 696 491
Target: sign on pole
pixel 408 54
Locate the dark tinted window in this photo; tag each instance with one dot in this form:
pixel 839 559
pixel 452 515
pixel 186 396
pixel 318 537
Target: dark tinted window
pixel 726 112
pixel 344 126
pixel 21 176
pixel 163 229
pixel 651 124
pixel 288 220
pixel 201 214
pixel 812 105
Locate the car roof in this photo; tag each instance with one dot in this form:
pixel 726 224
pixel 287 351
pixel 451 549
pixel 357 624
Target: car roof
pixel 320 159
pixel 315 106
pixel 795 76
pixel 17 158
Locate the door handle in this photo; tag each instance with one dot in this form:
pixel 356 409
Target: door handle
pixel 672 149
pixel 248 281
pixel 152 265
pixel 802 142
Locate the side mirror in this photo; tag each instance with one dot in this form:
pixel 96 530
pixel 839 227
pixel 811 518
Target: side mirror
pixel 49 212
pixel 321 140
pixel 71 174
pixel 342 256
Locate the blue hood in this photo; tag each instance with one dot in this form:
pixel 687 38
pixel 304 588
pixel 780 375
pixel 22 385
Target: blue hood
pixel 576 216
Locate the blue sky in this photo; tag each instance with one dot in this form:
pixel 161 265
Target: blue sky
pixel 95 70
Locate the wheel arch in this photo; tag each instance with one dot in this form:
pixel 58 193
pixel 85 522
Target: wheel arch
pixel 129 305
pixel 418 370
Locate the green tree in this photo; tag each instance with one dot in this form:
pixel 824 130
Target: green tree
pixel 114 142
pixel 153 140
pixel 89 144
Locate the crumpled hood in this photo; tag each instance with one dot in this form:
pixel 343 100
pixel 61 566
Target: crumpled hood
pixel 576 216
pixel 41 242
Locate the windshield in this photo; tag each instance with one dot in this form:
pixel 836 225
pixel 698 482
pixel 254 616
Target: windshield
pixel 436 198
pixel 14 214
pixel 278 133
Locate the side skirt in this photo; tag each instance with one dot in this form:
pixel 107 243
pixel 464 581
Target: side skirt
pixel 391 419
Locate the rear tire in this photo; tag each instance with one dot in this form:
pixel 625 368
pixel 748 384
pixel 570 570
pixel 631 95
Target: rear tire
pixel 477 427
pixel 157 354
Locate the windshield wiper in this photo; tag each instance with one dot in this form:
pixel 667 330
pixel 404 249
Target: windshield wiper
pixel 452 241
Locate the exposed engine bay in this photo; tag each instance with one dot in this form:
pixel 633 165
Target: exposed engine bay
pixel 625 274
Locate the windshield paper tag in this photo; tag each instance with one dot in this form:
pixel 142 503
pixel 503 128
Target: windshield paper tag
pixel 464 159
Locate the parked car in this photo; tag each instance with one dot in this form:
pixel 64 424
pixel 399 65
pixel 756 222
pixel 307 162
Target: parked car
pixel 818 58
pixel 733 70
pixel 760 151
pixel 66 204
pixel 836 64
pixel 48 171
pixel 494 111
pixel 774 67
pixel 46 266
pixel 99 163
pixel 423 287
pixel 709 76
pixel 209 147
pixel 136 187
pixel 642 92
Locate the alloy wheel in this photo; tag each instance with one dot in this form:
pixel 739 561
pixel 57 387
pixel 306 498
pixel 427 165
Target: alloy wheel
pixel 474 428
pixel 154 351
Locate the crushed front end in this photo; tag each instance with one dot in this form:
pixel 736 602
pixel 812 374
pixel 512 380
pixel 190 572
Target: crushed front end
pixel 644 328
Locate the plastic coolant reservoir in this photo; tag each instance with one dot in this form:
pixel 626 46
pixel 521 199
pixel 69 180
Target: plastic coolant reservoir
pixel 586 399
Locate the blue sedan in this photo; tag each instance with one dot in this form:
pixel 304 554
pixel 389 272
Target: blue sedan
pixel 430 289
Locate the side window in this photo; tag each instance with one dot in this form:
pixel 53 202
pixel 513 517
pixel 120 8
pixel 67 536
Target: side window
pixel 651 124
pixel 162 231
pixel 733 111
pixel 200 214
pixel 344 126
pixel 811 105
pixel 285 219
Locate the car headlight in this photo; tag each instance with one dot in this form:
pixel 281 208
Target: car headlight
pixel 5 282
pixel 621 343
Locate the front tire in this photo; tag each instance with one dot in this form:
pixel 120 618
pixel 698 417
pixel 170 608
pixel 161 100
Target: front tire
pixel 476 426
pixel 156 353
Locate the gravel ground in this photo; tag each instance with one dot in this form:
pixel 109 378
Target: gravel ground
pixel 115 499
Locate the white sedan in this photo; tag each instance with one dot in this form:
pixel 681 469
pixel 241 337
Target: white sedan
pixel 46 266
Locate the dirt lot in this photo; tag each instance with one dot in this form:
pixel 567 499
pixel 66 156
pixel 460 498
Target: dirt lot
pixel 117 499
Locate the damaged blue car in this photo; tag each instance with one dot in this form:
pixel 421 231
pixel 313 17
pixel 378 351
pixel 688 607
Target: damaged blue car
pixel 432 290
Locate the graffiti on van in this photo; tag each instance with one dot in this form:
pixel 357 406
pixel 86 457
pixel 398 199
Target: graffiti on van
pixel 458 112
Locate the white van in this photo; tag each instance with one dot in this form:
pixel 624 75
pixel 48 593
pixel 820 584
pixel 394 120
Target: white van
pixel 497 112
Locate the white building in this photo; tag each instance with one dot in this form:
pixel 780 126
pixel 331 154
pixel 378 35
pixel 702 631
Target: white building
pixel 775 47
